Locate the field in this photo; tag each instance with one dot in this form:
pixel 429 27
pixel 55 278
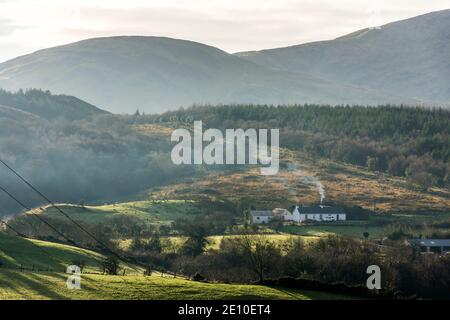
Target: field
pixel 149 211
pixel 16 284
pixel 29 285
pixel 172 243
pixel 16 252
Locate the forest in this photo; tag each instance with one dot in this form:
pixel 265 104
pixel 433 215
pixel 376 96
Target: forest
pixel 77 153
pixel 403 141
pixel 86 156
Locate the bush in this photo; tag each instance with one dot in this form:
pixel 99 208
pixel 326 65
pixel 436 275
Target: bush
pixel 111 266
pixel 198 277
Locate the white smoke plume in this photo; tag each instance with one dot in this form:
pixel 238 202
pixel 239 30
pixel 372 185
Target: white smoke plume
pixel 309 180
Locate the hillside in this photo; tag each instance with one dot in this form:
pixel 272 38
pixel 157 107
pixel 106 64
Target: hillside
pixel 42 286
pixel 16 284
pixel 410 58
pixel 353 153
pixel 48 106
pixel 391 200
pixel 9 115
pixel 122 74
pixel 16 251
pixel 148 211
pixel 73 151
pixel 343 184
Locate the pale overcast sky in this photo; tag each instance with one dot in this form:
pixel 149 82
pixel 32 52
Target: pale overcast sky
pixel 232 25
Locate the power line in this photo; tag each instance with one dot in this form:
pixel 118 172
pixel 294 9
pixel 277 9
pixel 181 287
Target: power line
pixel 72 242
pixel 119 257
pixel 37 216
pixel 31 242
pixel 61 211
pixel 68 217
pixel 53 228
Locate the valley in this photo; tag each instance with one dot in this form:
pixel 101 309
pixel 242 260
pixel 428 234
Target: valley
pixel 119 157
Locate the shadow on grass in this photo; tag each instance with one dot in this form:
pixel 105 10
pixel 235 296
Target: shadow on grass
pixel 23 282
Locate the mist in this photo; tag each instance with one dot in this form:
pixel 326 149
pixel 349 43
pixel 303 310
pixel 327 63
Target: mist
pixel 86 161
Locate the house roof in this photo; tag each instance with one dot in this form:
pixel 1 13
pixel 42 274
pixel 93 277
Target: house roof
pixel 432 242
pixel 319 209
pixel 280 211
pixel 261 213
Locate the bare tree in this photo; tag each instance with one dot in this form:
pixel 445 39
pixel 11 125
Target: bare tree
pixel 262 254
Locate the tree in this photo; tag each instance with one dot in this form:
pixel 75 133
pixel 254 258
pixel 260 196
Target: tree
pixel 111 266
pixel 148 270
pixel 197 232
pixel 261 253
pixel 154 245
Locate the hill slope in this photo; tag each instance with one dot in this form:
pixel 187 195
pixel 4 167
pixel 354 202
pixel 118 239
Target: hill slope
pixel 15 284
pixel 27 285
pixel 409 58
pixel 155 74
pixel 16 251
pixel 48 106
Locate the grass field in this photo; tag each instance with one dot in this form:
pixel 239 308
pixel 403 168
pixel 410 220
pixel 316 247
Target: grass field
pixel 149 211
pixel 16 251
pixel 173 243
pixel 29 285
pixel 354 230
pixel 16 284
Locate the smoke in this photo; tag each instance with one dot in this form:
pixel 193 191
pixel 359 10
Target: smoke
pixel 309 180
pixel 313 181
pixel 321 190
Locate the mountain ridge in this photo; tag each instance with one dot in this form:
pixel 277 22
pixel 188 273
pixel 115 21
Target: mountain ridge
pixel 154 74
pixel 403 62
pixel 408 57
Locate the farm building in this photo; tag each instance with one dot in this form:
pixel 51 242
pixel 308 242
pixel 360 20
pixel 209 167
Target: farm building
pixel 260 216
pixel 280 212
pixel 299 214
pixel 432 245
pixel 317 213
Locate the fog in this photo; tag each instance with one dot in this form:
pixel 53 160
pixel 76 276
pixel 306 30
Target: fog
pixel 86 161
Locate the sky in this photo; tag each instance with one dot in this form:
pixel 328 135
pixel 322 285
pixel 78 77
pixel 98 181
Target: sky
pixel 231 25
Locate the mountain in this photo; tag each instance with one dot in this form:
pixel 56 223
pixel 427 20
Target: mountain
pixel 410 58
pixel 122 74
pixel 44 105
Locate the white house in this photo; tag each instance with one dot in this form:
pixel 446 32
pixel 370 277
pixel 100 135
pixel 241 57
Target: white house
pixel 260 216
pixel 299 214
pixel 316 213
